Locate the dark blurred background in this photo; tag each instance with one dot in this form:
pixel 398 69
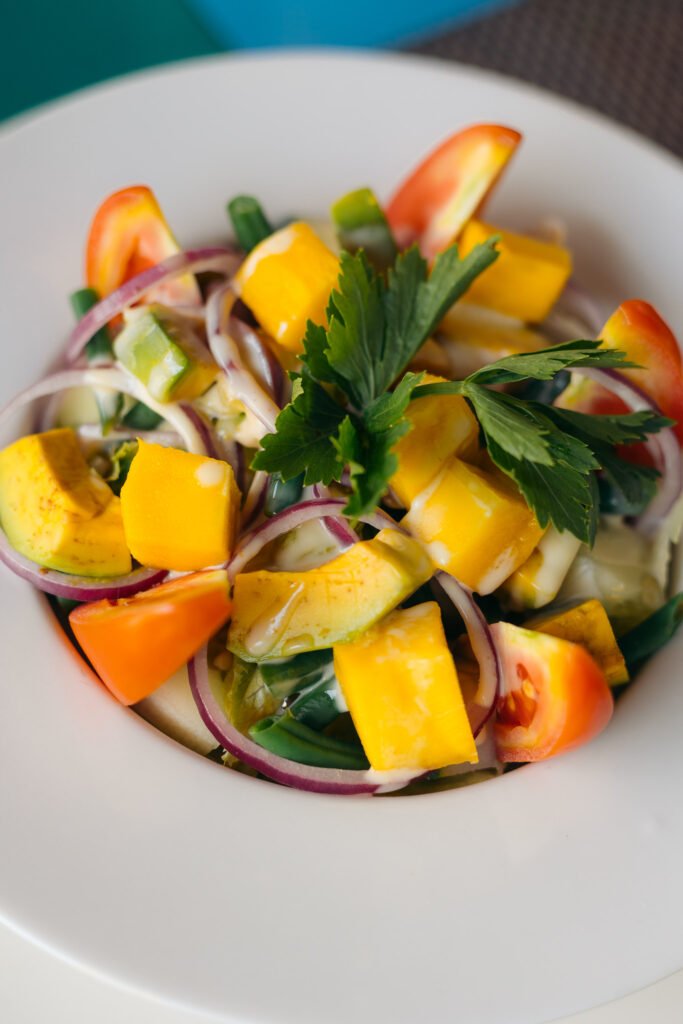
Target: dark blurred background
pixel 622 57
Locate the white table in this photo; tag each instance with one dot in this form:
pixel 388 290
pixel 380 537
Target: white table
pixel 65 995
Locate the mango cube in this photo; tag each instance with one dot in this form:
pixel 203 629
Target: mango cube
pixel 279 614
pixel 57 511
pixel 179 510
pixel 401 687
pixel 527 278
pixel 441 426
pixel 162 350
pixel 475 524
pixel 286 280
pixel 538 580
pixel 472 337
pixel 587 624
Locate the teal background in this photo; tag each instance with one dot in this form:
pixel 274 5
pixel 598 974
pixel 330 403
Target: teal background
pixel 49 48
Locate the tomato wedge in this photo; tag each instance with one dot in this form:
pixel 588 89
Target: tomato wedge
pixel 129 234
pixel 450 185
pixel 638 330
pixel 135 644
pixel 556 698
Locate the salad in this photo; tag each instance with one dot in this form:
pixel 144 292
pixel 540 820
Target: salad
pixel 375 504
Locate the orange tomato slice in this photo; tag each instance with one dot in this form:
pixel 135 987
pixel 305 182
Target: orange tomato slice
pixel 556 698
pixel 135 644
pixel 129 234
pixel 449 187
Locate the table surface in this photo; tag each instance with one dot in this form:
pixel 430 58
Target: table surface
pixel 620 56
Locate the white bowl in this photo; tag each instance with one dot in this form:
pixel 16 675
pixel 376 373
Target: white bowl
pixel 535 895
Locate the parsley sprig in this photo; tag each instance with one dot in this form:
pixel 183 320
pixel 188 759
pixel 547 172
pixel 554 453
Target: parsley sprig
pixel 344 412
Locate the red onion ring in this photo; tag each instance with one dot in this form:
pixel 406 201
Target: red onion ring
pixel 484 648
pixel 216 259
pixel 226 353
pixel 664 446
pixel 279 769
pixel 202 428
pixel 77 588
pixel 270 369
pixel 113 379
pixel 255 499
pixel 337 525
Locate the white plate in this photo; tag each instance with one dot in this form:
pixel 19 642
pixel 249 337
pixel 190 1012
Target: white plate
pixel 540 893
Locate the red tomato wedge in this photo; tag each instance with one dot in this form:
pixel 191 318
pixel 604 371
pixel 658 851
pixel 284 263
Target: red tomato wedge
pixel 129 234
pixel 556 699
pixel 137 643
pixel 449 187
pixel 638 330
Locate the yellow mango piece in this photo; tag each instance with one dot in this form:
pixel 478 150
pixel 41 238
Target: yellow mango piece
pixel 286 280
pixel 475 524
pixel 472 337
pixel 538 580
pixel 57 511
pixel 441 426
pixel 527 278
pixel 587 624
pixel 401 687
pixel 278 614
pixel 179 510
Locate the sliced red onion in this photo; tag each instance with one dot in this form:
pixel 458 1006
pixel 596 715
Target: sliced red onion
pixel 92 434
pixel 578 300
pixel 255 499
pixel 78 588
pixel 112 379
pixel 202 428
pixel 288 773
pixel 226 353
pixel 483 646
pixel 337 526
pixel 664 446
pixel 219 260
pixel 261 357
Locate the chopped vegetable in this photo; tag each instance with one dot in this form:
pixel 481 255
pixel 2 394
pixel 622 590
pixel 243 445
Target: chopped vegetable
pixel 450 185
pixel 57 511
pixel 283 613
pixel 645 639
pixel 474 524
pixel 587 624
pixel 538 580
pixel 128 235
pixel 400 683
pixel 137 643
pixel 361 224
pixel 288 737
pixel 555 699
pixel 528 276
pixel 286 281
pixel 179 510
pixel 249 222
pixel 99 347
pixel 164 352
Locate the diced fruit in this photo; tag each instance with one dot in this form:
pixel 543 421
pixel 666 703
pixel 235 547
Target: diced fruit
pixel 474 337
pixel 129 234
pixel 441 426
pixel 179 510
pixel 527 278
pixel 278 614
pixel 172 709
pixel 637 329
pixel 286 280
pixel 587 624
pixel 361 224
pixel 162 349
pixel 450 185
pixel 401 686
pixel 555 695
pixel 475 524
pixel 57 511
pixel 538 580
pixel 135 644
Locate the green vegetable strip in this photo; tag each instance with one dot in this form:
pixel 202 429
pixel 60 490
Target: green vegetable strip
pixel 285 677
pixel 248 221
pixel 286 737
pixel 141 417
pixel 644 640
pixel 282 493
pixel 99 346
pixel 361 224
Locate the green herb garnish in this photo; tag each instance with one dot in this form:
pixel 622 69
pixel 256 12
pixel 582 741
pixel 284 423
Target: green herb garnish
pixel 344 412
